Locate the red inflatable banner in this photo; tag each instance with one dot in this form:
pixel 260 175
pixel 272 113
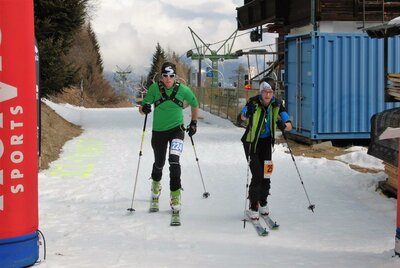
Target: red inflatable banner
pixel 18 120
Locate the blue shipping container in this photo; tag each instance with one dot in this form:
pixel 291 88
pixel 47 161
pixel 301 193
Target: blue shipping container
pixel 334 83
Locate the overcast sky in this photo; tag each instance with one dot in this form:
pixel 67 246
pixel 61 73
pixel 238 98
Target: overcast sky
pixel 128 30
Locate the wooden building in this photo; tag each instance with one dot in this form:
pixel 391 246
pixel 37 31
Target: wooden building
pixel 282 16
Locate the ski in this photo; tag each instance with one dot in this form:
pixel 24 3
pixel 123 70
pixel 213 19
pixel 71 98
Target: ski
pixel 175 218
pixel 154 205
pixel 271 224
pixel 261 231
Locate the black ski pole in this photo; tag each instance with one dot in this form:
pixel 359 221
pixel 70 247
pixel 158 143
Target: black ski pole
pixel 311 206
pixel 205 194
pixel 131 209
pixel 247 187
pixel 247 176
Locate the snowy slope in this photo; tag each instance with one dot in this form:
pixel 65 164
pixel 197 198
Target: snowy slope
pixel 85 194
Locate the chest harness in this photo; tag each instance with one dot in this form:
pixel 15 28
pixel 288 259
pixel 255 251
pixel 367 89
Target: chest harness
pixel 165 97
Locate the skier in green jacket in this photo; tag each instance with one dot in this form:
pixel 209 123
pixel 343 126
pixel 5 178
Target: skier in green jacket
pixel 168 97
pixel 265 113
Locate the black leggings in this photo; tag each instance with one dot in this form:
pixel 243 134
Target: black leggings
pixel 160 141
pixel 259 186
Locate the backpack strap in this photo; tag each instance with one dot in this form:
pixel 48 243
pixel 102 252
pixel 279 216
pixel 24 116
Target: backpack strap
pixel 165 97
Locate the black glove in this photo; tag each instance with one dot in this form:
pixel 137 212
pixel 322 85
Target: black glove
pixel 251 108
pixel 146 109
pixel 192 128
pixel 281 125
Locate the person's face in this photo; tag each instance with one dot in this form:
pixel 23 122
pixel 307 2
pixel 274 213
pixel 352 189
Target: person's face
pixel 267 95
pixel 168 80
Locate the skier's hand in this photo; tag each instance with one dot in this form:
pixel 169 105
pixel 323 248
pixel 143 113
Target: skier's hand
pixel 192 128
pixel 146 109
pixel 251 108
pixel 281 125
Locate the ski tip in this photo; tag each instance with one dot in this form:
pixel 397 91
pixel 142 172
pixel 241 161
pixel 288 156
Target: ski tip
pixel 262 232
pixel 152 210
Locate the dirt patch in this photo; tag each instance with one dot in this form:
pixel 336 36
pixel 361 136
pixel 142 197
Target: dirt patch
pixel 52 139
pixel 324 149
pixel 317 150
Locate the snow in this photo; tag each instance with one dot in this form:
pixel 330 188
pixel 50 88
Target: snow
pixel 394 21
pixel 84 196
pixel 358 156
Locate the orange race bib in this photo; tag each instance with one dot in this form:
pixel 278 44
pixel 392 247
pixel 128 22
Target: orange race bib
pixel 268 168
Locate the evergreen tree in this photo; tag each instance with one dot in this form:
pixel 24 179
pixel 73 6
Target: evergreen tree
pixel 96 47
pixel 158 59
pixel 56 22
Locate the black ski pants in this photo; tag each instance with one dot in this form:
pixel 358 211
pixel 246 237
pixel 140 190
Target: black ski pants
pixel 160 141
pixel 259 186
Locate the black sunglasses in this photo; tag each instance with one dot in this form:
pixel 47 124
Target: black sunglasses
pixel 168 75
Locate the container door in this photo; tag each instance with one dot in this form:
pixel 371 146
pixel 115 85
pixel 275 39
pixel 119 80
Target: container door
pixel 299 85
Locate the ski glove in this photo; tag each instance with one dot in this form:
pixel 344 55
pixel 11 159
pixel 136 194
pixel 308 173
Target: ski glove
pixel 251 108
pixel 192 128
pixel 146 109
pixel 281 125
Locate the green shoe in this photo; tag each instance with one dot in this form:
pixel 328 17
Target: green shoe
pixel 176 200
pixel 155 189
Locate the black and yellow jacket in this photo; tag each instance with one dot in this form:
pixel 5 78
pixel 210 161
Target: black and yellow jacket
pixel 263 119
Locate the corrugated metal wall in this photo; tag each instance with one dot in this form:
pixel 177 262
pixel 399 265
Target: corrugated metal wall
pixel 334 83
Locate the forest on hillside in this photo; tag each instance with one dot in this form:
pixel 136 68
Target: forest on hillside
pixel 69 52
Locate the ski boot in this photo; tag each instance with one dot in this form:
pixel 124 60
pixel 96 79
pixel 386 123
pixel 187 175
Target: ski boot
pixel 155 194
pixel 176 207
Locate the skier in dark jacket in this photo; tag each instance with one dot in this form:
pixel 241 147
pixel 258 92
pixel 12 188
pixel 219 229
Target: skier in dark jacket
pixel 168 97
pixel 265 113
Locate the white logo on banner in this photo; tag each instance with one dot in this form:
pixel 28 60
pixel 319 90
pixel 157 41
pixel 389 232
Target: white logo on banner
pixel 1 148
pixel 7 92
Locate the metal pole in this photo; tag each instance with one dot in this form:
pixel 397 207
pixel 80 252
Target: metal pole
pixel 199 75
pixel 248 171
pixel 205 194
pixel 313 22
pixel 131 209
pixel 311 206
pixel 385 63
